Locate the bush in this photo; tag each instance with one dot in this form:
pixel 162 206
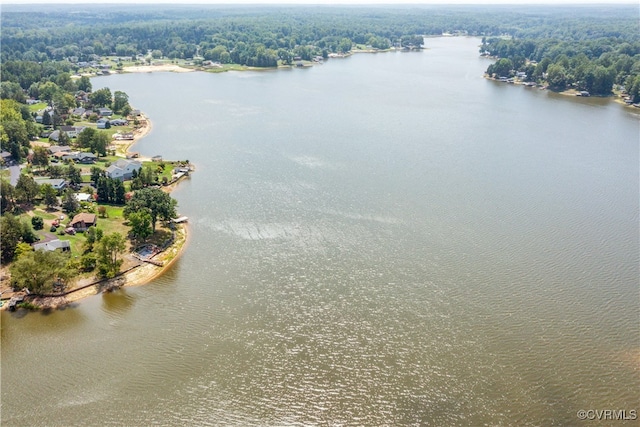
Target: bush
pixel 53 229
pixel 37 222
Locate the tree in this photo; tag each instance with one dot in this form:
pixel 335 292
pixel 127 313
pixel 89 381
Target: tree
pixel 14 133
pixel 140 223
pixel 102 211
pixel 120 100
pixel 47 120
pixel 69 202
pixel 7 196
pixel 107 252
pixel 85 137
pixel 26 189
pixel 73 174
pixel 48 91
pixel 159 204
pixel 96 141
pixel 92 236
pixel 55 171
pixel 96 173
pixel 117 192
pixel 102 189
pixel 84 84
pixel 63 138
pixel 40 157
pixel 501 68
pixel 100 143
pixel 49 195
pixel 556 76
pixel 101 97
pixel 28 235
pixel 37 222
pixel 11 234
pixel 38 271
pixel 21 249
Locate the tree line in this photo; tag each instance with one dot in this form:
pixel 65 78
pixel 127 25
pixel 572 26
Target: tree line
pixel 594 44
pixel 594 65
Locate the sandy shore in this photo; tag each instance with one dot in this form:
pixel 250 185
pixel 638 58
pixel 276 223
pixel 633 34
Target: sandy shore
pixel 138 273
pixel 155 68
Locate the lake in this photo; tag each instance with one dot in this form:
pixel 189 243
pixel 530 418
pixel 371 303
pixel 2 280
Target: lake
pixel 386 239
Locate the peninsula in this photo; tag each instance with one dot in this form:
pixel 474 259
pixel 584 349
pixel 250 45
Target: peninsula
pixel 142 257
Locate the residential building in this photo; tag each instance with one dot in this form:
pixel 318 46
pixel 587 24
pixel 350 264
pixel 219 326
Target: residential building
pixel 82 221
pixel 123 169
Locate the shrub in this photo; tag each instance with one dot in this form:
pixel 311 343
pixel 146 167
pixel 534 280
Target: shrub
pixel 37 222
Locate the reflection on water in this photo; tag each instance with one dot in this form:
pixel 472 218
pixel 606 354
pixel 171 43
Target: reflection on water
pixel 385 240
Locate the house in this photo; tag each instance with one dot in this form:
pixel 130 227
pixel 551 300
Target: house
pixel 157 158
pixel 104 112
pixel 123 169
pixel 103 124
pixel 82 221
pixel 83 197
pixel 58 184
pixel 78 111
pixel 59 155
pixel 59 148
pixel 71 131
pixel 127 136
pixel 118 122
pixel 53 245
pixel 86 158
pixel 5 156
pixel 54 136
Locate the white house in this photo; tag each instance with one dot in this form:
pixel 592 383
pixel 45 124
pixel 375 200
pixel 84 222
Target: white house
pixel 57 183
pixel 123 169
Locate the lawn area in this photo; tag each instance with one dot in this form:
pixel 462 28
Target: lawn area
pixel 113 222
pixel 45 214
pixel 37 107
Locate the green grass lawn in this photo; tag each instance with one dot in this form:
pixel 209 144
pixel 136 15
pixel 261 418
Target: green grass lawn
pixel 37 107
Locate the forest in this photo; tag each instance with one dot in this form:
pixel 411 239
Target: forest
pixel 594 48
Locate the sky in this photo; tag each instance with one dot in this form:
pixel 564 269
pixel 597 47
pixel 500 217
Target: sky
pixel 352 2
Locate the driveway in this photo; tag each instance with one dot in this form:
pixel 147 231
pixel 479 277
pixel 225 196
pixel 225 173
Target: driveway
pixel 15 174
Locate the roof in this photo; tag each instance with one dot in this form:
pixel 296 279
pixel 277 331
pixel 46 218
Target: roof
pixel 54 182
pixel 83 197
pixel 52 245
pixel 87 218
pixel 56 148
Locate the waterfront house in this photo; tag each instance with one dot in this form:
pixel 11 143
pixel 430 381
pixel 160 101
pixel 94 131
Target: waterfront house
pixel 104 112
pixel 103 124
pixel 123 169
pixel 82 221
pixel 53 245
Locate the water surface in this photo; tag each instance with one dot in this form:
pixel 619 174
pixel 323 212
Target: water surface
pixel 387 239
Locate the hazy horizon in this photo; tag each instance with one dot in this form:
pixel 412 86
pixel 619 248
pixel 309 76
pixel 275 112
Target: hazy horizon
pixel 332 2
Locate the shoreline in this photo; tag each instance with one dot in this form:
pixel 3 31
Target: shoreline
pixel 138 274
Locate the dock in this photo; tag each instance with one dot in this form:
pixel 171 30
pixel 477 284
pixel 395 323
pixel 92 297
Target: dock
pixel 14 301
